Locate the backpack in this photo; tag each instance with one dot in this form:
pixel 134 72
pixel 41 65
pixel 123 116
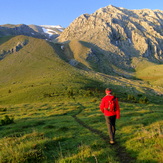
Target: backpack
pixel 112 104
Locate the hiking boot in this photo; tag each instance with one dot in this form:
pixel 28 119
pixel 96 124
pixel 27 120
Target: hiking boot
pixel 112 142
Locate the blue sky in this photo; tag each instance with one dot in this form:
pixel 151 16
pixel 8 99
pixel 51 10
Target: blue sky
pixel 61 12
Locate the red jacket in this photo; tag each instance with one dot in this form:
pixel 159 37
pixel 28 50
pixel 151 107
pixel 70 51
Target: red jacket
pixel 105 104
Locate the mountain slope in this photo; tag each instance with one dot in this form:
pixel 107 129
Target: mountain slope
pixel 152 74
pixel 121 33
pixel 37 69
pixel 85 56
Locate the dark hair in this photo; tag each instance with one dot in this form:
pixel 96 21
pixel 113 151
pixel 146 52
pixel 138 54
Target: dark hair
pixel 108 89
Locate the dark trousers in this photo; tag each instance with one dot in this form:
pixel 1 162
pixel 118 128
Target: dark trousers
pixel 110 122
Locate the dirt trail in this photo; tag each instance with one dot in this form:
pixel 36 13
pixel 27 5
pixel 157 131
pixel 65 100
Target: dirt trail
pixel 122 154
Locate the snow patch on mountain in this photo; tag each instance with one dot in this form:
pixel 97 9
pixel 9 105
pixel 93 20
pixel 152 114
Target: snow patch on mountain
pixel 48 31
pixel 52 29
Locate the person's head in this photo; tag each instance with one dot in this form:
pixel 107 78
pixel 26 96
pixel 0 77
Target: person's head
pixel 108 91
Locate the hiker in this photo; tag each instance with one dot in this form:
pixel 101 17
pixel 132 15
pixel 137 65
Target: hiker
pixel 110 107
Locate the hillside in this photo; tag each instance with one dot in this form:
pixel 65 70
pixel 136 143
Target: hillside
pixel 87 56
pixel 31 68
pixel 152 74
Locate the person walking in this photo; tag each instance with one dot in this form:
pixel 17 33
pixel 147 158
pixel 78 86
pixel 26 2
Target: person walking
pixel 110 107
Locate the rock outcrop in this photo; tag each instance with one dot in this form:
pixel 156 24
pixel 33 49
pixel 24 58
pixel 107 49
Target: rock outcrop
pixel 14 48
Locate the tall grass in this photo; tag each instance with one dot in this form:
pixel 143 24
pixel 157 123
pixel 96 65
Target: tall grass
pixel 47 132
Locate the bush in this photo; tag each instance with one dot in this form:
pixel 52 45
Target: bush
pixel 131 98
pixel 3 109
pixel 7 120
pixel 140 99
pixel 70 93
pixel 143 100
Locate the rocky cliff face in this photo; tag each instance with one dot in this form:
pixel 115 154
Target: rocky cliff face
pixel 123 34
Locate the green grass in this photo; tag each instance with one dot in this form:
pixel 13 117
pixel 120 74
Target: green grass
pixel 142 129
pixel 48 132
pixel 150 72
pixel 4 39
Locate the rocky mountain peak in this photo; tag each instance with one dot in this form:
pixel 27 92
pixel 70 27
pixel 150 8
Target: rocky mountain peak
pixel 121 33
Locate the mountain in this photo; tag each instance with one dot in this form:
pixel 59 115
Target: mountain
pixel 122 34
pixel 43 31
pixel 34 70
pixel 112 47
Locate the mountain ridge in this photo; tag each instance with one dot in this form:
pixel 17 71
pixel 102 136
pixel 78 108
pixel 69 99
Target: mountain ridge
pixel 38 31
pixel 121 32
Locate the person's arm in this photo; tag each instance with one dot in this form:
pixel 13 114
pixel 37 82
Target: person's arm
pixel 102 105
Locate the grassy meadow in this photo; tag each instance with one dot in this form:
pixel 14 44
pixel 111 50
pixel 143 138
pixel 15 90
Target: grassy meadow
pixel 150 72
pixel 74 130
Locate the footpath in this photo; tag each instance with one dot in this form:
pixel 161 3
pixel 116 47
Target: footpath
pixel 122 155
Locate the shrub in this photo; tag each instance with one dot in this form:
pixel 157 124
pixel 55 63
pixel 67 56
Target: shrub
pixel 143 100
pixel 131 98
pixel 3 109
pixel 88 93
pixel 140 99
pixel 7 120
pixel 70 93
